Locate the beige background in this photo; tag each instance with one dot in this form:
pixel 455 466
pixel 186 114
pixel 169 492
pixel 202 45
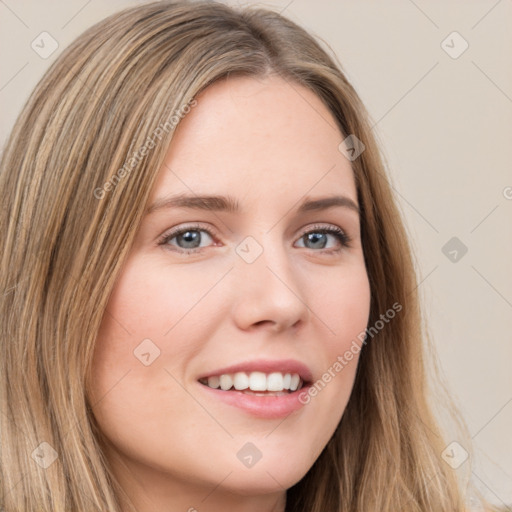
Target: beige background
pixel 445 124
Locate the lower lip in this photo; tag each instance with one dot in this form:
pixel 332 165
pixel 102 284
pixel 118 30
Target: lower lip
pixel 268 407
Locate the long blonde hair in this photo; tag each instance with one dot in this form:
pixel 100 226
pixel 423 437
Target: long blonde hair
pixel 75 183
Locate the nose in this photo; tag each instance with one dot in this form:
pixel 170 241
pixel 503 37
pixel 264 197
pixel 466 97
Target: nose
pixel 268 293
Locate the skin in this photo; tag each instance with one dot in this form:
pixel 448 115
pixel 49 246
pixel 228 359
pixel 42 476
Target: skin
pixel 172 446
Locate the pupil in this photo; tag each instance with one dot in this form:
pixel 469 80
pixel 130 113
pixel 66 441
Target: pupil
pixel 190 237
pixel 315 237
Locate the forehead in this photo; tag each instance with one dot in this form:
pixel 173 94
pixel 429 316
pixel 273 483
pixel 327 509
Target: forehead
pixel 257 138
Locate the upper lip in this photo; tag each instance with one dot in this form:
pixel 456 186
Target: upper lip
pixel 265 366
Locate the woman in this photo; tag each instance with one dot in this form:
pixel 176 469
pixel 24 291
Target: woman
pixel 210 298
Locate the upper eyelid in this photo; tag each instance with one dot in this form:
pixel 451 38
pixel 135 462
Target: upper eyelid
pixel 193 227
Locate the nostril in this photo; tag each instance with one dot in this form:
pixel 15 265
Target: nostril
pixel 264 322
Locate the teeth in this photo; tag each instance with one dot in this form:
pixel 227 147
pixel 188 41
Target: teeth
pixel 255 381
pixel 214 382
pixel 226 382
pixel 275 382
pixel 240 381
pixel 294 382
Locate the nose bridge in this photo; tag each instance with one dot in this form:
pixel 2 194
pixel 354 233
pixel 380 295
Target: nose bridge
pixel 268 288
pixel 262 257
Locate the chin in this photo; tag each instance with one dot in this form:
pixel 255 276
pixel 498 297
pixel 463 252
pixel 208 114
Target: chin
pixel 268 475
pixel 263 481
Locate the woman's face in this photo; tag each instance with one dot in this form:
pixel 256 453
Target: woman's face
pixel 259 295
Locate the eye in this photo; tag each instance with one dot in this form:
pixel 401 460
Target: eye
pixel 188 239
pixel 317 237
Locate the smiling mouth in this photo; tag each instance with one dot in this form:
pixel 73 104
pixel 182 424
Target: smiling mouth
pixel 256 383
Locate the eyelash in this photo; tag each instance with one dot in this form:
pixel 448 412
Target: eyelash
pixel 342 237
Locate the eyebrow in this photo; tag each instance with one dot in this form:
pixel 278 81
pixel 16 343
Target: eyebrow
pixel 219 203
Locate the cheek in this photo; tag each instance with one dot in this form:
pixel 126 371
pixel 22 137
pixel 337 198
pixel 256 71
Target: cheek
pixel 130 334
pixel 344 309
pixel 146 331
pixel 145 305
